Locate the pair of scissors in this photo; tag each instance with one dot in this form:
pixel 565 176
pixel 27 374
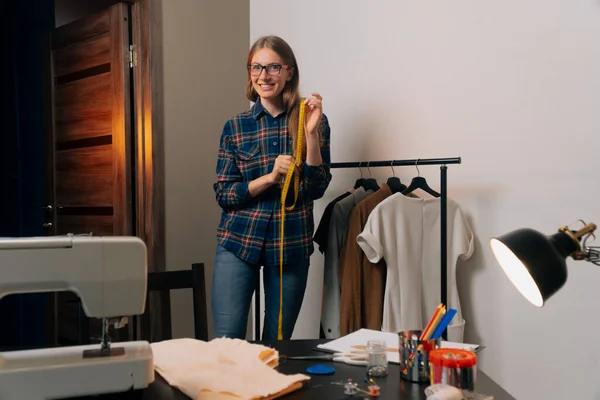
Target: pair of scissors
pixel 352 358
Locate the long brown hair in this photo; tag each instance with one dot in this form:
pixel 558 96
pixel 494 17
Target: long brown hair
pixel 291 94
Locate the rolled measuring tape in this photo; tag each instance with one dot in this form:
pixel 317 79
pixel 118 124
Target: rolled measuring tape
pixel 454 367
pixel 284 192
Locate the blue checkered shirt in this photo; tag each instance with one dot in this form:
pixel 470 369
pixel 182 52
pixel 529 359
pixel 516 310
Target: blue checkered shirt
pixel 250 227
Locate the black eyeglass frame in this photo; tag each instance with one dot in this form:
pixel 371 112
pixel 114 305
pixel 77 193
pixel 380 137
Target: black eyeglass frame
pixel 278 68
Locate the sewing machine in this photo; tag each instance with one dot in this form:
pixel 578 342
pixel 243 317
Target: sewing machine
pixel 109 275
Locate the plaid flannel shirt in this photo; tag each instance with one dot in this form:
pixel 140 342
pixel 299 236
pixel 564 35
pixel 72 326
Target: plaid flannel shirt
pixel 250 227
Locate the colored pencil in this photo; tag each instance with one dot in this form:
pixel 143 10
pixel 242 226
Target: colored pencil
pixel 434 317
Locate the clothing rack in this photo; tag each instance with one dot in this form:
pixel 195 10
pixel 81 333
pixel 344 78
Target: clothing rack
pixel 442 162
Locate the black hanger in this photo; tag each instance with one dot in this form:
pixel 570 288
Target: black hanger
pixel 419 182
pixel 396 186
pixel 370 183
pixel 359 182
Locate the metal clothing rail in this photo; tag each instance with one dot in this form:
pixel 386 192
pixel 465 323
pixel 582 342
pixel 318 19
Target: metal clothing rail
pixel 397 163
pixel 442 162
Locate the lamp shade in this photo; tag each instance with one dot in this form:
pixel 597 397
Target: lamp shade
pixel 534 263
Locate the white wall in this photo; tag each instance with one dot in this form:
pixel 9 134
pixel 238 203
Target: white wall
pixel 205 44
pixel 512 87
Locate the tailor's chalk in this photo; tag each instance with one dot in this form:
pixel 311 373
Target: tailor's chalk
pixel 320 369
pixel 444 323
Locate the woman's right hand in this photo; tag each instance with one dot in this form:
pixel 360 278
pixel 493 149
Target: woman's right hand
pixel 281 167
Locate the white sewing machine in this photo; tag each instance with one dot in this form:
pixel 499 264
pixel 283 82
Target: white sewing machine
pixel 109 276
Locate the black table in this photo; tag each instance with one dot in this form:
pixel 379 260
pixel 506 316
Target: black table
pixel 320 386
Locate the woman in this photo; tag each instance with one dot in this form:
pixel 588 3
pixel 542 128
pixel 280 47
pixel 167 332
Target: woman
pixel 256 150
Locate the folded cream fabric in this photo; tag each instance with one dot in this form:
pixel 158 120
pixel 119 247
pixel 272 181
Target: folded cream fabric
pixel 222 369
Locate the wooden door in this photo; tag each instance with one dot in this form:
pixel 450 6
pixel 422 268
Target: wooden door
pixel 91 182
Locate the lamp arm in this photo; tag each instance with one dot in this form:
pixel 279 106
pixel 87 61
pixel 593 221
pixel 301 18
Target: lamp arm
pixel 591 254
pixel 584 252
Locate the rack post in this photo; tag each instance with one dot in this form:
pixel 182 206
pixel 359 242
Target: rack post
pixel 444 239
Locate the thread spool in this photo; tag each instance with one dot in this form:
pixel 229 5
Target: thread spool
pixel 454 367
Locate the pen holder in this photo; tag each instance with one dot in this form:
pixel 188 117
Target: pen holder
pixel 414 356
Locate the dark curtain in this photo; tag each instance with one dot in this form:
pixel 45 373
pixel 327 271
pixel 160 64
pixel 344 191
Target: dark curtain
pixel 23 25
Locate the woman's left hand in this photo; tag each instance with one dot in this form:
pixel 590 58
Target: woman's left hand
pixel 312 114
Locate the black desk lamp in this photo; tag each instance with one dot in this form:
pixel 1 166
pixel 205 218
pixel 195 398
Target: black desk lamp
pixel 535 263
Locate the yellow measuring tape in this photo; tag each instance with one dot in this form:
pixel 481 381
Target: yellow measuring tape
pixel 284 191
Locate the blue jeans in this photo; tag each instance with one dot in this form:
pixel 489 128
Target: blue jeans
pixel 232 287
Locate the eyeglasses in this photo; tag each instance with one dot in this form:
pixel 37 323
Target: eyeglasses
pixel 272 69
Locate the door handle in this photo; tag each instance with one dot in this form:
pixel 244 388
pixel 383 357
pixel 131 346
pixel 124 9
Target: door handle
pixel 47 225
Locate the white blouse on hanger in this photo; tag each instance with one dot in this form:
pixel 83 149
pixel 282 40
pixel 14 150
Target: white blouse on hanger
pixel 405 231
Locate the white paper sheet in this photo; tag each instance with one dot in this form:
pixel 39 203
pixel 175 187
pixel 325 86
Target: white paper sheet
pixel 362 336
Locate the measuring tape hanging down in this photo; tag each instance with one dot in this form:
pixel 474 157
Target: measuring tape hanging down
pixel 284 191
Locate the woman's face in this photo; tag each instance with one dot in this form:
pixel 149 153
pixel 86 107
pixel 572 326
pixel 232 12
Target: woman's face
pixel 269 73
